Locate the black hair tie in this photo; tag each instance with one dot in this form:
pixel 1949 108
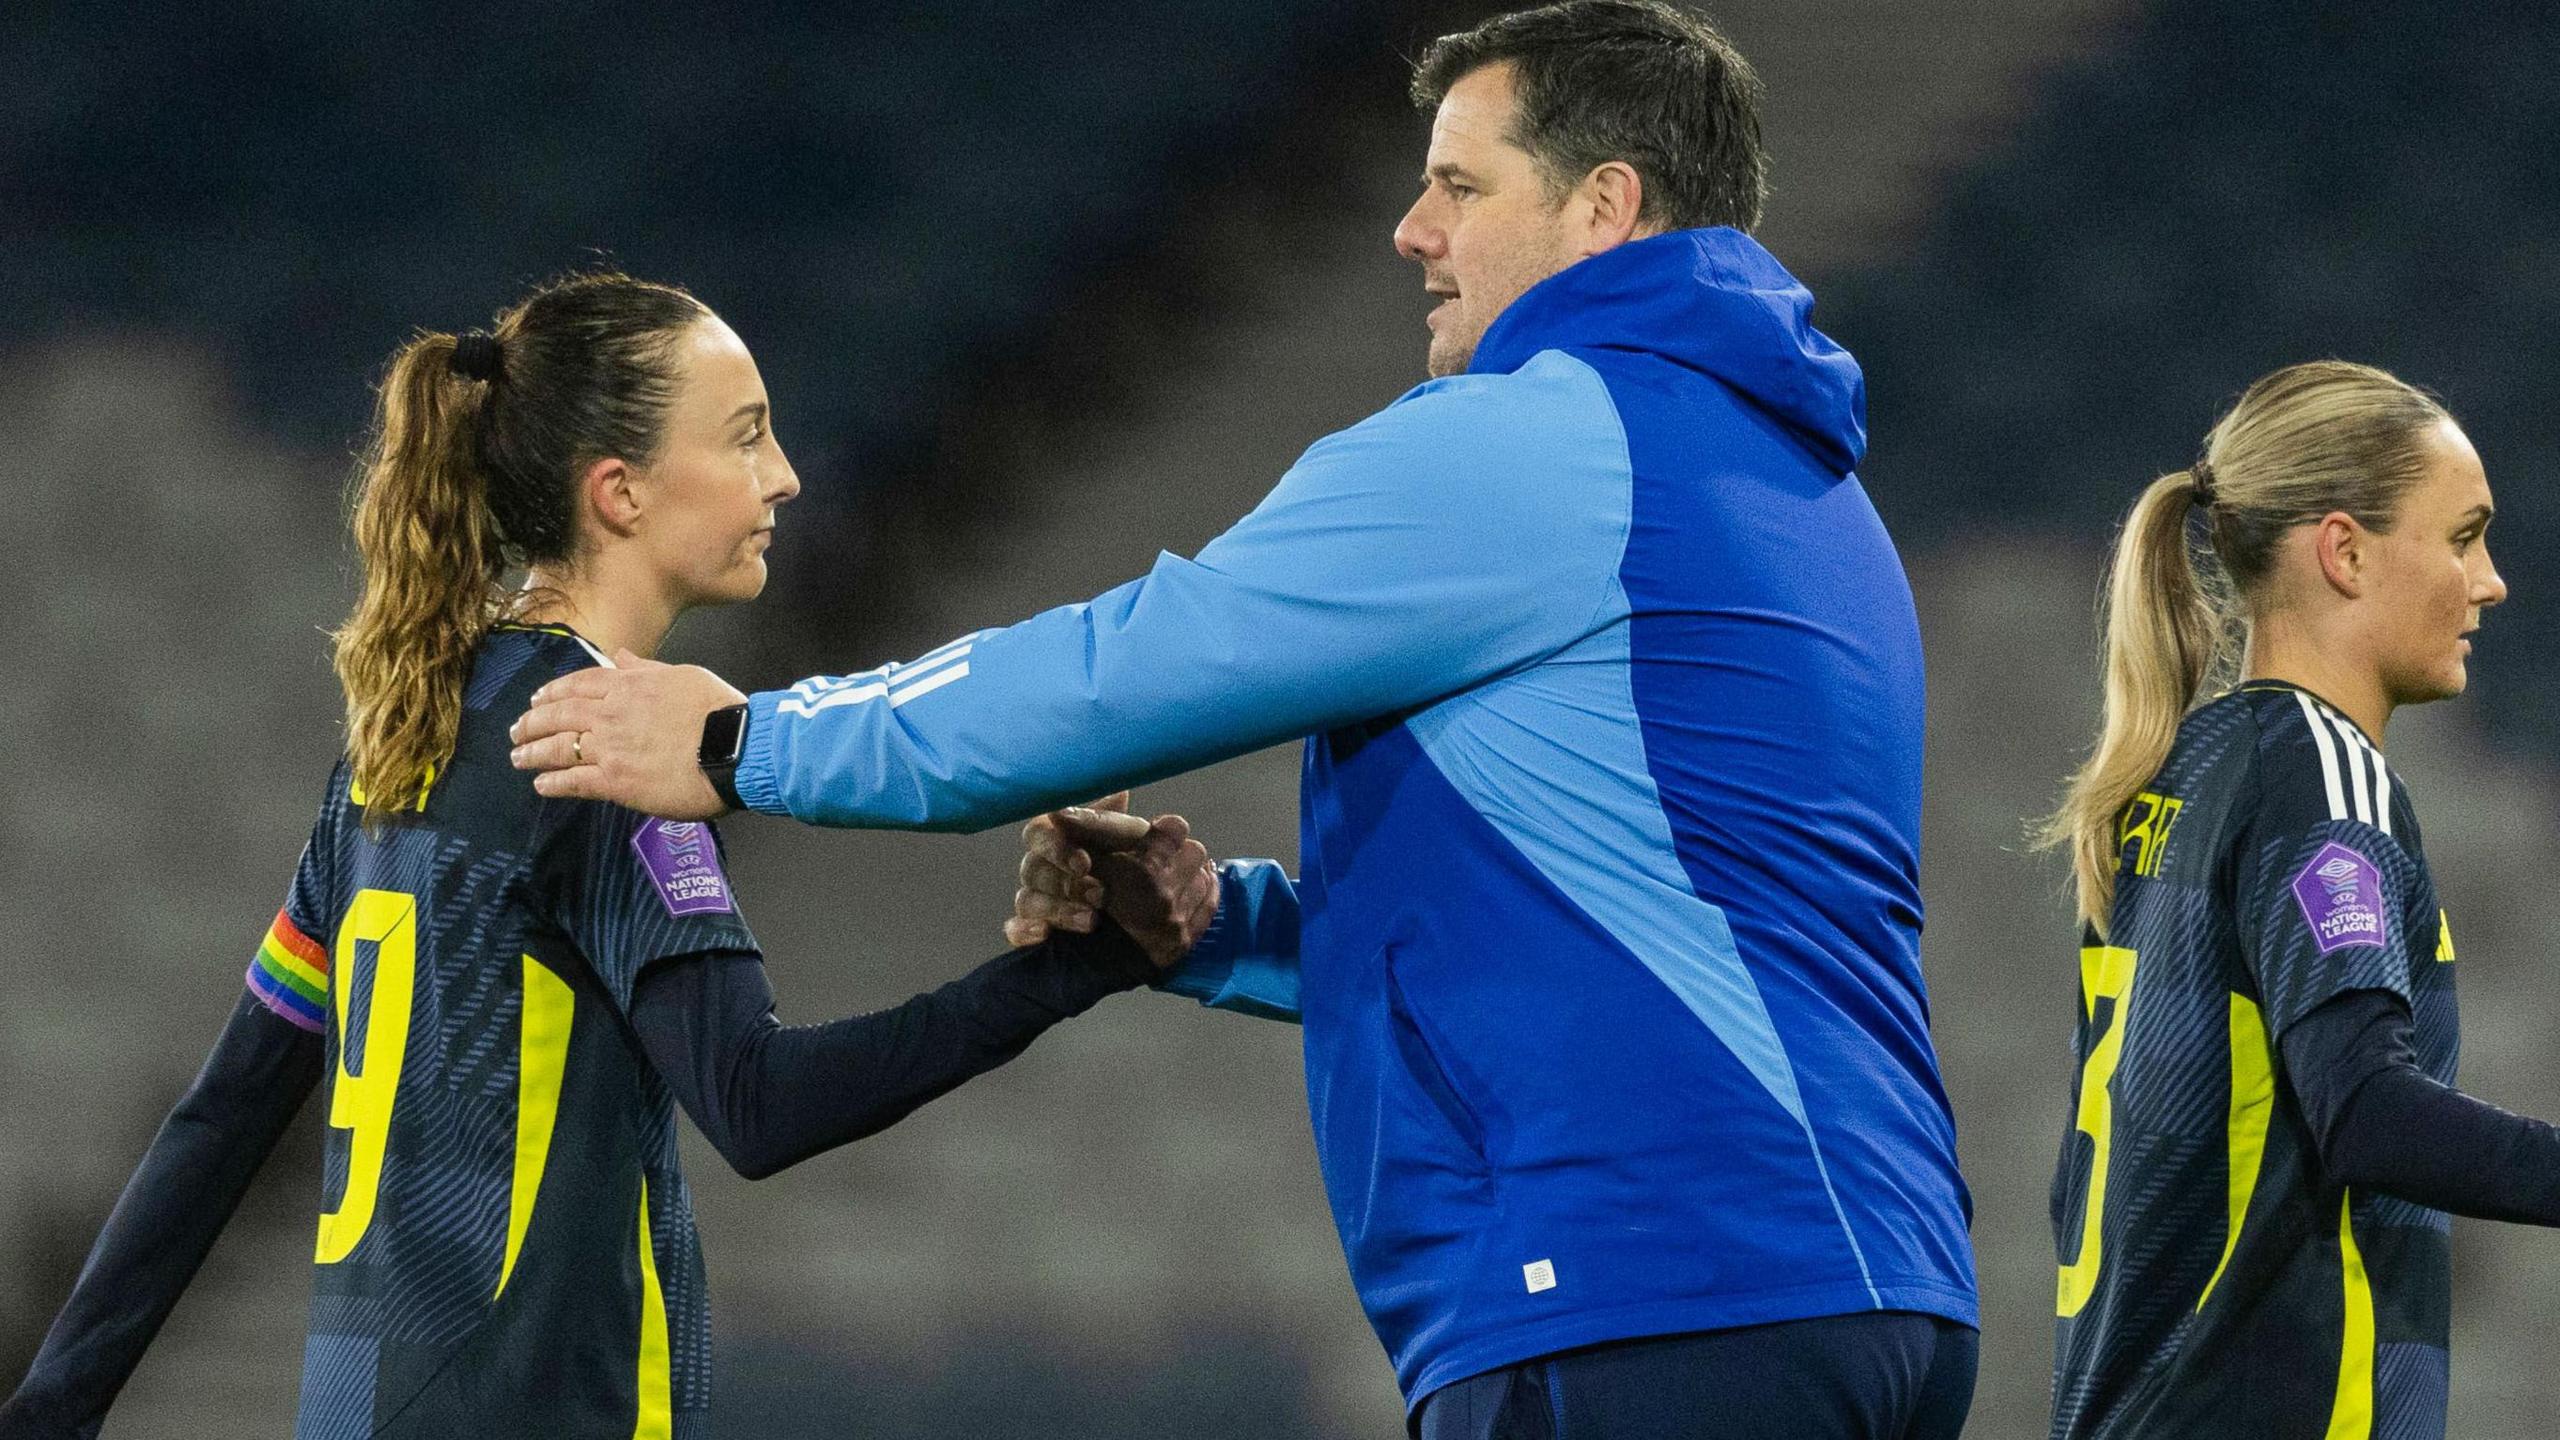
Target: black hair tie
pixel 2203 476
pixel 477 356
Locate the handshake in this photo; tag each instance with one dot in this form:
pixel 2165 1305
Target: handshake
pixel 1091 861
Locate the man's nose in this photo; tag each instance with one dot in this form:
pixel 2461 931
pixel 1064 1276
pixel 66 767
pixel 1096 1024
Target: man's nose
pixel 1416 238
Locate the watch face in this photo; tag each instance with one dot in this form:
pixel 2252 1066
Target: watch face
pixel 722 730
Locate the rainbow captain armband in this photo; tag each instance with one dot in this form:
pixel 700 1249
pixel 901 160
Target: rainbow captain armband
pixel 291 975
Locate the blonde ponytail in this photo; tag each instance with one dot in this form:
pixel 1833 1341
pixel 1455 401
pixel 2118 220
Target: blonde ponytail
pixel 2166 638
pixel 433 563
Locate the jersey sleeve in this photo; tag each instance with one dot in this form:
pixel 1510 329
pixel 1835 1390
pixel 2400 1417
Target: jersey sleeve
pixel 631 890
pixel 2382 1123
pixel 289 974
pixel 1473 527
pixel 2322 895
pixel 767 1095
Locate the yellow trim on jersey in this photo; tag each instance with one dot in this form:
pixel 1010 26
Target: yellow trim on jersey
pixel 657 1396
pixel 2106 973
pixel 542 1055
pixel 2253 1100
pixel 2351 1418
pixel 426 787
pixel 2444 938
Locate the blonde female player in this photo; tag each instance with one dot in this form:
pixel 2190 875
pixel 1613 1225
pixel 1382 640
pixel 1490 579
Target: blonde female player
pixel 508 996
pixel 2265 1147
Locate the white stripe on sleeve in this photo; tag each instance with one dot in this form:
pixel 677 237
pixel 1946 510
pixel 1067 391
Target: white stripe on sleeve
pixel 2328 755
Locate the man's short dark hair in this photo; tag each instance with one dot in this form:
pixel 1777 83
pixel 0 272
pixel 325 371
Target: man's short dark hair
pixel 1638 81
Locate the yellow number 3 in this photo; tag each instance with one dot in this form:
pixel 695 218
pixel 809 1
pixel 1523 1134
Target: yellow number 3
pixel 360 1103
pixel 2106 973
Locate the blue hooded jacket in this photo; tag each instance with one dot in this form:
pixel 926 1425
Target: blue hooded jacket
pixel 1606 941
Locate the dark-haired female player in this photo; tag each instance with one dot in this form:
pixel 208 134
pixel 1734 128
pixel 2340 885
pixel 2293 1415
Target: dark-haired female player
pixel 2265 1147
pixel 509 995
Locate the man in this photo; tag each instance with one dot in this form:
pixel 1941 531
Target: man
pixel 1606 945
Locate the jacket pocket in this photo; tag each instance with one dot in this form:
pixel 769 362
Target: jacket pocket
pixel 1419 1052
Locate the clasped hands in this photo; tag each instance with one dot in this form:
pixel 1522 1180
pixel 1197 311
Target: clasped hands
pixel 1089 861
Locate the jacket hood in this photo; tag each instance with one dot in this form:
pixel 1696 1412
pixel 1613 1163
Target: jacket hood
pixel 1711 300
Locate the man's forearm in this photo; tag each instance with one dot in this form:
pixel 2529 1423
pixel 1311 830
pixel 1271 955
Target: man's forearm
pixel 1002 725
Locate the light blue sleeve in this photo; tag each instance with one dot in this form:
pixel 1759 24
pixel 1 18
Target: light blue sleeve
pixel 1471 528
pixel 1248 959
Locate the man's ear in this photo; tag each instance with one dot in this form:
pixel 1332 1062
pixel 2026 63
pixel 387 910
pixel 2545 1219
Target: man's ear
pixel 614 494
pixel 2342 545
pixel 1612 197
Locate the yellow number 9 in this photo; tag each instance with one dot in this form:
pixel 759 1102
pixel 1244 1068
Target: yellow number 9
pixel 361 1103
pixel 2106 973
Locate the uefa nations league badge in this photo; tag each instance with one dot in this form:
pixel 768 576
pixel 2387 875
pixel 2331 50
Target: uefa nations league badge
pixel 2340 892
pixel 684 862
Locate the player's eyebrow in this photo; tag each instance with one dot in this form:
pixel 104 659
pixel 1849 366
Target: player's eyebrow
pixel 2481 513
pixel 755 408
pixel 1448 170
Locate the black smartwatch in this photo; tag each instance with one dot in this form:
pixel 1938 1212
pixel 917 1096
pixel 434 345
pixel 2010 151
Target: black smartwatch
pixel 724 739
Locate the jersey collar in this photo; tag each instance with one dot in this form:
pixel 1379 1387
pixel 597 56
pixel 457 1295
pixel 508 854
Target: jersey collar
pixel 2270 683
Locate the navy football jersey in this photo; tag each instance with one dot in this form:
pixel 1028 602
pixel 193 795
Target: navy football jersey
pixel 2214 1282
pixel 506 1245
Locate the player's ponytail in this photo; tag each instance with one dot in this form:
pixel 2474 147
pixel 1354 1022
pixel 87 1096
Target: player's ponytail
pixel 433 564
pixel 477 442
pixel 2166 636
pixel 2301 443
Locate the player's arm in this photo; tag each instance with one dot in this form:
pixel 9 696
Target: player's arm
pixel 2382 1123
pixel 649 905
pixel 770 1095
pixel 2327 899
pixel 189 1182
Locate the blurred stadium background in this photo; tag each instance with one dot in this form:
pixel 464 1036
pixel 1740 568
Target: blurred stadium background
pixel 1040 289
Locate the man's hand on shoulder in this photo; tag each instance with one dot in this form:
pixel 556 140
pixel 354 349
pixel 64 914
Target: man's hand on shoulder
pixel 630 733
pixel 1148 875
